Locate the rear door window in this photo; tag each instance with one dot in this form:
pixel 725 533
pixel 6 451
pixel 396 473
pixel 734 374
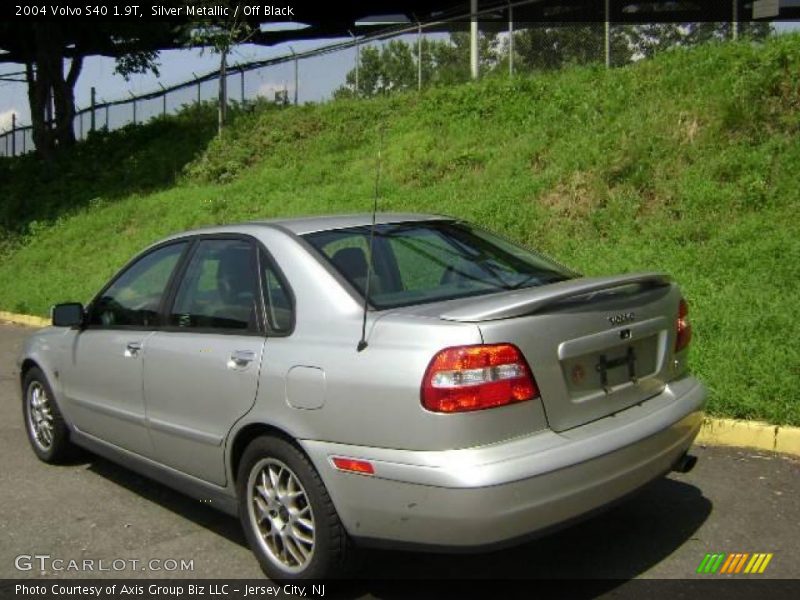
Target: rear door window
pixel 278 300
pixel 219 289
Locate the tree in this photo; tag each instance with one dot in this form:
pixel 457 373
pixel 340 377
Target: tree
pixel 393 67
pixel 44 73
pixel 549 47
pixel 649 39
pixel 380 70
pixel 220 34
pixel 46 47
pixel 451 57
pixel 399 66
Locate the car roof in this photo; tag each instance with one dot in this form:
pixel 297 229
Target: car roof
pixel 303 225
pixel 311 224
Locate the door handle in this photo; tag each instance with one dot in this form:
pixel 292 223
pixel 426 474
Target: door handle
pixel 239 359
pixel 132 349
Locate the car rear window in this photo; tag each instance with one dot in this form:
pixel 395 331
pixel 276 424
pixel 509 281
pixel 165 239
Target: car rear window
pixel 428 261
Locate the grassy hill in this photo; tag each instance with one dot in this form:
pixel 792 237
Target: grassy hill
pixel 687 163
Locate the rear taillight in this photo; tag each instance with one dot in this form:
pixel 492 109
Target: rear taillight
pixel 683 328
pixel 468 378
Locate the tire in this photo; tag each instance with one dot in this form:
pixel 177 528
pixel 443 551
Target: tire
pixel 292 498
pixel 47 431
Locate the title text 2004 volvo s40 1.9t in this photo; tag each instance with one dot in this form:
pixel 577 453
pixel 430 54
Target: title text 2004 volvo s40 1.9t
pixel 493 394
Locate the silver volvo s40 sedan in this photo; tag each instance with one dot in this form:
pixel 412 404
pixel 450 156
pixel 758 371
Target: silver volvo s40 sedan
pixel 337 384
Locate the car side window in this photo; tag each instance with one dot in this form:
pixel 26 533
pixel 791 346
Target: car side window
pixel 349 255
pixel 219 289
pixel 280 314
pixel 134 298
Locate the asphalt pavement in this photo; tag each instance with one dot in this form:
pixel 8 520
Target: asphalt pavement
pixel 735 500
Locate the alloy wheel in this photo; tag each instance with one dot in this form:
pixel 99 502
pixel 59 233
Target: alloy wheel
pixel 40 416
pixel 281 515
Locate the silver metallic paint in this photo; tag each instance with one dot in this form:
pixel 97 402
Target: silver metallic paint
pixel 460 479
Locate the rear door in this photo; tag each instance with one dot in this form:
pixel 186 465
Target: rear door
pixel 201 371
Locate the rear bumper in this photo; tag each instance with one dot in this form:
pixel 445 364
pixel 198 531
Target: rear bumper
pixel 492 494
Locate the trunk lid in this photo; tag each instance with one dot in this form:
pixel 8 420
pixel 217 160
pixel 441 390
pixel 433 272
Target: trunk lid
pixel 595 345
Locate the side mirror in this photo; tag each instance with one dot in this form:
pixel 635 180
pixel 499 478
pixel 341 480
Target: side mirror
pixel 69 314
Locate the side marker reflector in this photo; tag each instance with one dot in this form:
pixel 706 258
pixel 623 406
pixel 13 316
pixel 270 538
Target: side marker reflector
pixel 353 465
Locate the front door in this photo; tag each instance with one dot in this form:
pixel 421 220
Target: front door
pixel 102 377
pixel 201 371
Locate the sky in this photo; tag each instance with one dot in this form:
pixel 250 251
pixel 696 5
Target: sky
pixel 318 77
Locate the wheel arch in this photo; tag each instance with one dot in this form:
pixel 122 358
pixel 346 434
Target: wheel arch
pixel 31 362
pixel 247 434
pixel 27 364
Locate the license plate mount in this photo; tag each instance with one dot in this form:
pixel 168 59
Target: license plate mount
pixel 605 364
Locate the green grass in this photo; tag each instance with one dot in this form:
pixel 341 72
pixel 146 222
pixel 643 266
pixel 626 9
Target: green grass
pixel 687 163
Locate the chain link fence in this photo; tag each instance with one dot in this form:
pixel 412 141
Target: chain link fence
pixel 418 54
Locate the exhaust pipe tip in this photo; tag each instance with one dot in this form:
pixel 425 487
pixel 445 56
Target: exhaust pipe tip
pixel 685 463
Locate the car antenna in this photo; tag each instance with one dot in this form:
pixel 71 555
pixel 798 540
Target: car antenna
pixel 363 341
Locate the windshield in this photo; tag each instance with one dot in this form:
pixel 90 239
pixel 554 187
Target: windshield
pixel 428 261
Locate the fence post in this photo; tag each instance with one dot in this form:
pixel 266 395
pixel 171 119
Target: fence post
pixel 134 107
pixel 241 84
pixel 6 137
pixel 735 22
pixel 93 107
pixel 49 108
pixel 473 38
pixel 106 117
pixel 607 33
pixel 419 55
pixel 358 61
pixel 223 90
pixel 295 74
pixel 13 134
pixel 23 141
pixel 198 87
pixel 163 100
pixel 510 39
pixel 296 80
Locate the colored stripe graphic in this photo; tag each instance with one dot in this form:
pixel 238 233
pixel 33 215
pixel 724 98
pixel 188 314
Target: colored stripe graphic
pixel 711 562
pixel 716 564
pixel 735 563
pixel 732 558
pixel 741 562
pixel 704 564
pixel 754 563
pixel 764 564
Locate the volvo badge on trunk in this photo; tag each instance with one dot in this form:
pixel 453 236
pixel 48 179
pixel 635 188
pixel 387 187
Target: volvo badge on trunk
pixel 621 318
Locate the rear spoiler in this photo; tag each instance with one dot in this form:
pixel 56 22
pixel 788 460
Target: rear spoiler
pixel 530 300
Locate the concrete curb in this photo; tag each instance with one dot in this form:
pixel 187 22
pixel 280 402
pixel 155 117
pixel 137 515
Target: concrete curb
pixel 27 320
pixel 714 432
pixel 750 434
